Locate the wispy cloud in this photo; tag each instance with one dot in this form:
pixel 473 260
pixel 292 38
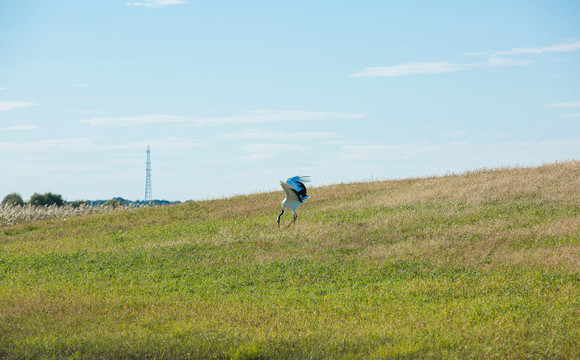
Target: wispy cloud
pixel 498 62
pixel 94 144
pixel 264 151
pixel 440 67
pixel 169 144
pixel 568 104
pixel 248 117
pixel 561 47
pixel 267 116
pixel 279 135
pixel 495 59
pixel 408 69
pixel 12 105
pixel 360 152
pixel 21 128
pixel 63 144
pixel 2 88
pixel 135 120
pixel 156 3
pixel 508 151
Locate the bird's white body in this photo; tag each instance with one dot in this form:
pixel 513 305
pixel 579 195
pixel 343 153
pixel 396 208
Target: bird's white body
pixel 295 195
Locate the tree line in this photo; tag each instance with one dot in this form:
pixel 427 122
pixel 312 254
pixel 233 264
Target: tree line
pixel 49 199
pixel 46 199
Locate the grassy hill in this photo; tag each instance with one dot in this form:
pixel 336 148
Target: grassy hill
pixel 478 265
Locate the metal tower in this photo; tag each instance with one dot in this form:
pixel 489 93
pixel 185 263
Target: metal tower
pixel 148 196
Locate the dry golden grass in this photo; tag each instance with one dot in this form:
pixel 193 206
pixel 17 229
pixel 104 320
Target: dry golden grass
pixel 493 239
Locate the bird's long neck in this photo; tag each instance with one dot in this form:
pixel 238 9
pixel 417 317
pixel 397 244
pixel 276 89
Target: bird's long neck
pixel 279 216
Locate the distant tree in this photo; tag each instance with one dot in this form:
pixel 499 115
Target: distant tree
pixel 77 203
pixel 13 199
pixel 115 202
pixel 46 199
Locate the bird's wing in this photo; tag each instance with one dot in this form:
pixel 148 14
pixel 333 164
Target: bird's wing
pixel 297 183
pixel 291 194
pixel 299 178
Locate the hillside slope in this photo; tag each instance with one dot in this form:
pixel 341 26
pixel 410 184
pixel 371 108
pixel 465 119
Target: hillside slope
pixel 482 264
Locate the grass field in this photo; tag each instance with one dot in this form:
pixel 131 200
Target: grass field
pixel 478 265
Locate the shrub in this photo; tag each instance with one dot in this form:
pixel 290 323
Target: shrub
pixel 115 203
pixel 46 199
pixel 77 203
pixel 13 199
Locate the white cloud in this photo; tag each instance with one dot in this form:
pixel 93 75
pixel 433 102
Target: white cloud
pixel 404 160
pixel 495 61
pixel 135 120
pixel 2 88
pixel 263 151
pixel 565 104
pixel 65 144
pixel 266 116
pixel 455 152
pixel 408 69
pixel 479 53
pixel 169 144
pixel 92 144
pixel 249 117
pixel 279 135
pixel 562 47
pixel 360 152
pixel 569 104
pixel 254 148
pixel 11 105
pixel 432 67
pixel 157 3
pixel 23 127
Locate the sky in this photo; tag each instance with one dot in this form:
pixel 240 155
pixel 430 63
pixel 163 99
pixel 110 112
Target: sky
pixel 233 96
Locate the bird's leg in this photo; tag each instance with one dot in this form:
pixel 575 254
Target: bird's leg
pixel 278 220
pixel 292 222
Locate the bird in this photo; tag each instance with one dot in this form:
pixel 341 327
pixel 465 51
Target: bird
pixel 295 195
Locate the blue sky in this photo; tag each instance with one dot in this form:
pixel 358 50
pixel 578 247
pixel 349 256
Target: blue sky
pixel 233 96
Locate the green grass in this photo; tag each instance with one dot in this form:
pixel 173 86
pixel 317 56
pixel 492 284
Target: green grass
pixel 480 265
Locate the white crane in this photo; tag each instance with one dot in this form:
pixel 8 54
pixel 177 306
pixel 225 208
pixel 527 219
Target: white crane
pixel 295 195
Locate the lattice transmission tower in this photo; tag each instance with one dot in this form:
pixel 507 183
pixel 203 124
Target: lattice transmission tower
pixel 148 195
